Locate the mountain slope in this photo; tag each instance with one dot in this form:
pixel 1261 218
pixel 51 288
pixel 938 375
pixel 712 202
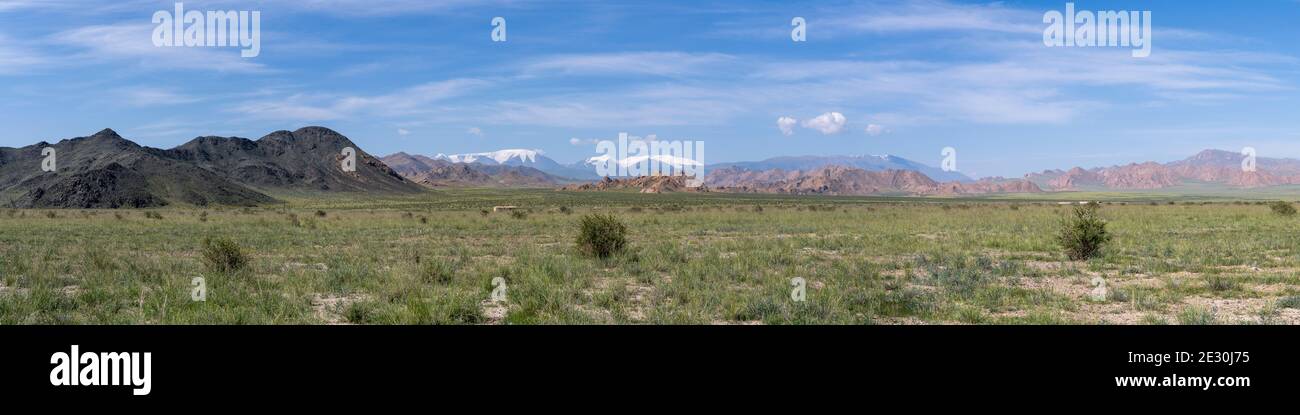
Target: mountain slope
pixel 105 170
pixel 309 158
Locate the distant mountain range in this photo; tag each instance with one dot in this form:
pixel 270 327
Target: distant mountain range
pixel 522 158
pixel 867 163
pixel 1210 166
pixel 105 170
pixel 844 180
pixel 441 172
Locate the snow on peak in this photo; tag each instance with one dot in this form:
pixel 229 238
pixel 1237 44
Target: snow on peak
pixel 499 156
pixel 661 159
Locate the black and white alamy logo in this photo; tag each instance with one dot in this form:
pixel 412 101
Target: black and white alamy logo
pixel 101 369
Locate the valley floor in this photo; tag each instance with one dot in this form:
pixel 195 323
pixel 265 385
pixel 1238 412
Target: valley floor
pixel 693 259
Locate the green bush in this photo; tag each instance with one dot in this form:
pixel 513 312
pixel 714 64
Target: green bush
pixel 1281 208
pixel 1083 233
pixel 223 255
pixel 602 235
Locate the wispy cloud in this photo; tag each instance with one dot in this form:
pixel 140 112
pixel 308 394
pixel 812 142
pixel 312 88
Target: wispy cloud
pixel 630 63
pixel 18 59
pixel 315 107
pixel 130 42
pixel 144 96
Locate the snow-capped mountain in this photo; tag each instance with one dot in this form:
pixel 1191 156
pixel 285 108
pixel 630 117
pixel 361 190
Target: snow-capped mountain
pixel 507 157
pixel 521 157
pixel 665 161
pixel 866 162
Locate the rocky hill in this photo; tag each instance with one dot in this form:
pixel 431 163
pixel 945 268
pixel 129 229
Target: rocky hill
pixel 105 170
pixel 307 159
pixel 644 184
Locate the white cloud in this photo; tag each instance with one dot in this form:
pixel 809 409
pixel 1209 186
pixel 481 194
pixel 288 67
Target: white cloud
pixel 828 123
pixel 874 129
pixel 475 131
pixel 403 132
pixel 133 42
pixel 786 125
pixel 630 63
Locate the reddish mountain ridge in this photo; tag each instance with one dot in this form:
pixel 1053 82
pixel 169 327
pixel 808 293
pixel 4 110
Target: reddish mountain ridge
pixel 1209 166
pixel 840 180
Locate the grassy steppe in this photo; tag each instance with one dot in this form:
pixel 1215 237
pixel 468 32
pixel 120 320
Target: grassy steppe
pixel 693 259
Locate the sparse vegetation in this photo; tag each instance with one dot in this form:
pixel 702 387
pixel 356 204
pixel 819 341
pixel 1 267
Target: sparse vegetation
pixel 602 235
pixel 223 255
pixel 1083 234
pixel 698 259
pixel 1280 208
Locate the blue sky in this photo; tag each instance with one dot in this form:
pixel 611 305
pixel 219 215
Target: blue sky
pixel 425 77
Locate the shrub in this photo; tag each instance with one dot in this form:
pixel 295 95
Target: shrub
pixel 602 235
pixel 203 216
pixel 565 210
pixel 519 214
pixel 484 212
pixel 223 255
pixel 1083 233
pixel 320 213
pixel 436 271
pixel 1289 302
pixel 152 215
pixel 1220 283
pixel 1197 316
pixel 1281 208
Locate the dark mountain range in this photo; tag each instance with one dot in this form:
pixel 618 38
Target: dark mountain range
pixel 107 171
pixel 307 159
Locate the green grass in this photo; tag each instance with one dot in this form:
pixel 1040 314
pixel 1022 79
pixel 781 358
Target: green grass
pixel 689 259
